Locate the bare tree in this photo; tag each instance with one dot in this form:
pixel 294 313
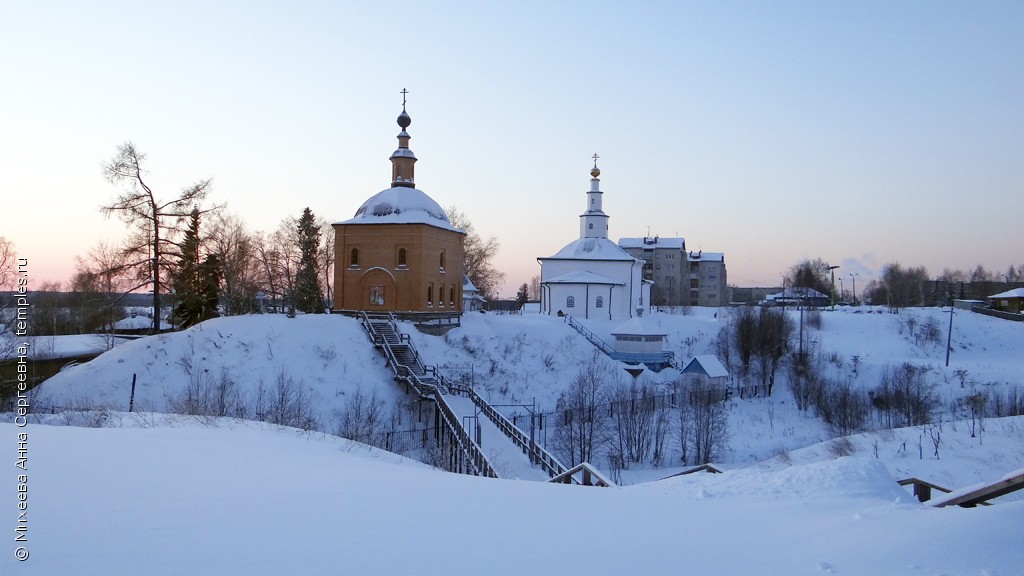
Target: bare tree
pixel 810 274
pixel 583 426
pixel 326 260
pixel 535 288
pixel 703 422
pixel 478 254
pixel 234 247
pixel 154 222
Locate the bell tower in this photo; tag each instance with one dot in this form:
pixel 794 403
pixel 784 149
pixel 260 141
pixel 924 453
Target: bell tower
pixel 403 161
pixel 594 222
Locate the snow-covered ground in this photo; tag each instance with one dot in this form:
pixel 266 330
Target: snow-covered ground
pixel 156 495
pixel 243 497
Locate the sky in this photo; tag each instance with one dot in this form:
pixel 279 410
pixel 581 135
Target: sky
pixel 858 133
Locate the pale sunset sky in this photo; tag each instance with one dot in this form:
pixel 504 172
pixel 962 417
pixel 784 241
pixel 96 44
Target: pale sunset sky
pixel 860 133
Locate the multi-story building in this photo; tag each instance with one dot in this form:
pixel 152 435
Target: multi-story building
pixel 680 278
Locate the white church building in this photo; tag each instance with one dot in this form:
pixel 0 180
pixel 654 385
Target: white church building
pixel 592 277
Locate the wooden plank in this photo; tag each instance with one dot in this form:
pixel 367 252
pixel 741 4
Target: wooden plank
pixel 972 496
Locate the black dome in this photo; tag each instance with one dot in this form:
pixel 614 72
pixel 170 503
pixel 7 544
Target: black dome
pixel 404 120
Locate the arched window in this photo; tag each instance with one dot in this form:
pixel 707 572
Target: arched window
pixel 440 295
pixel 442 259
pixel 570 302
pixel 401 257
pixel 590 226
pixel 430 294
pixel 451 295
pixel 600 301
pixel 354 257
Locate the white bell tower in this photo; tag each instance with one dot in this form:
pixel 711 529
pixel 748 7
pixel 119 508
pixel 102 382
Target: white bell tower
pixel 594 222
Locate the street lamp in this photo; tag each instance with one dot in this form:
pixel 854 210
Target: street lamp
pixel 853 276
pixel 832 272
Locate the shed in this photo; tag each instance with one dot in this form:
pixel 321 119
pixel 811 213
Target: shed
pixel 1009 301
pixel 706 369
pixel 641 340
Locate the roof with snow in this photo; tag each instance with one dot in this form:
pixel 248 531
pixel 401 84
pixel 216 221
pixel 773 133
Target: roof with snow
pixel 797 293
pixel 706 364
pixel 655 242
pixel 591 249
pixel 402 206
pixel 1015 293
pixel 582 277
pixel 701 256
pixel 639 326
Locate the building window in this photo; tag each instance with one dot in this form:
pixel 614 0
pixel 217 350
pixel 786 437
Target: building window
pixel 570 302
pixel 430 294
pixel 377 295
pixel 451 295
pixel 442 260
pixel 354 258
pixel 440 295
pixel 590 226
pixel 401 257
pixel 600 302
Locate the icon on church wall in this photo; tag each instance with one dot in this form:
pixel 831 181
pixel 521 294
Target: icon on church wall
pixel 377 295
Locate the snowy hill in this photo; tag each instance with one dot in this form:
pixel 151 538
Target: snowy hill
pixel 521 359
pixel 328 358
pixel 162 495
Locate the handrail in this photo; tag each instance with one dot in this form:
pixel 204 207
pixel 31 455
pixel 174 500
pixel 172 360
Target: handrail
pixel 474 455
pixel 537 454
pixel 590 336
pixel 481 467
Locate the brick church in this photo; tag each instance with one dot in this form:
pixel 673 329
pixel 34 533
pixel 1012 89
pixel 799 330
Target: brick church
pixel 399 253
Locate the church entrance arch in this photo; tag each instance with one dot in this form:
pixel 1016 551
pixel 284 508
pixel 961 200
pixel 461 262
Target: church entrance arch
pixel 378 291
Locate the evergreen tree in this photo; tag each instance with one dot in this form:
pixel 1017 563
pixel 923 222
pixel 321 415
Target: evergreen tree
pixel 523 295
pixel 197 284
pixel 308 297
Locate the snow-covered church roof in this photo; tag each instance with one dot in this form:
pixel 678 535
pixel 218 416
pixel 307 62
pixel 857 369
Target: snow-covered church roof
pixel 401 205
pixel 591 249
pixel 583 277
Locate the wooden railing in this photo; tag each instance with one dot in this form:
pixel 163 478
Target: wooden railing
pixel 469 459
pixel 464 455
pixel 536 453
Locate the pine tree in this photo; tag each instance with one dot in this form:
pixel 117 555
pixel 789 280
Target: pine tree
pixel 197 284
pixel 308 297
pixel 523 295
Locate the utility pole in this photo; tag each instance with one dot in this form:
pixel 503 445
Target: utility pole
pixel 853 276
pixel 832 272
pixel 949 337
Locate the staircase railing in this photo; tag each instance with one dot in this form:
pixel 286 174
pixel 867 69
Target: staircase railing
pixel 590 336
pixel 475 463
pixel 468 458
pixel 536 453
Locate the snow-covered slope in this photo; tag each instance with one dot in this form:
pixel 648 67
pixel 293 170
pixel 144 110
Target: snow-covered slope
pixel 171 496
pixel 328 356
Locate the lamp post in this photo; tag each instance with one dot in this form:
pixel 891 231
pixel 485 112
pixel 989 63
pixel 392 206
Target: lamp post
pixel 832 272
pixel 853 276
pixel 842 291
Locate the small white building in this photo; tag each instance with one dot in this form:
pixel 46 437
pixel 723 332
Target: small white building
pixel 640 340
pixel 471 298
pixel 593 277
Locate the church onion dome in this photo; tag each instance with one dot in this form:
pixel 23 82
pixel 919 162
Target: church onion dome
pixel 404 120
